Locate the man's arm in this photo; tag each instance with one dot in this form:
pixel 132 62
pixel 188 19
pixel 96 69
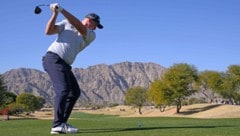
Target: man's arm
pixel 51 28
pixel 75 22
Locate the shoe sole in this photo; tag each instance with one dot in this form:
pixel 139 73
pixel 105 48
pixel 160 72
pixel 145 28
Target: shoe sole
pixel 56 132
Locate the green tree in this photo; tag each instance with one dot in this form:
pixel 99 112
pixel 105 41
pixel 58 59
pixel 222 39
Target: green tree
pixel 235 70
pixel 40 102
pixel 5 97
pixel 2 93
pixel 159 94
pixel 10 98
pixel 210 80
pixel 232 83
pixel 16 108
pixel 230 89
pixel 30 102
pixel 136 96
pixel 179 80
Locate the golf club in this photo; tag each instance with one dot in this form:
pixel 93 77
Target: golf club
pixel 38 10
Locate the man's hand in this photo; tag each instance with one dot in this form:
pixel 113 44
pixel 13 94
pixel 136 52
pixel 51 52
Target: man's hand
pixel 56 6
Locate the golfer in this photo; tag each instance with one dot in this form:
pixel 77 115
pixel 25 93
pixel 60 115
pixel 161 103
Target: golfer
pixel 72 37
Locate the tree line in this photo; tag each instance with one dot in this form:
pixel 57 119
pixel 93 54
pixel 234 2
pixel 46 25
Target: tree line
pixel 178 83
pixel 181 81
pixel 10 103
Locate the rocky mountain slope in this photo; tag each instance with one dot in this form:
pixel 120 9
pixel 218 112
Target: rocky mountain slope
pixel 100 84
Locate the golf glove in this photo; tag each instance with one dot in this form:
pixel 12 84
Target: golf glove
pixel 56 6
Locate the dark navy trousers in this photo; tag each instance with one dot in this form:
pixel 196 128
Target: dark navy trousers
pixel 65 86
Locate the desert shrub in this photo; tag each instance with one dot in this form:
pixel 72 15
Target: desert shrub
pixel 16 108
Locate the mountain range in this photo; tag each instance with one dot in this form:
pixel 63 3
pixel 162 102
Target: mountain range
pixel 100 84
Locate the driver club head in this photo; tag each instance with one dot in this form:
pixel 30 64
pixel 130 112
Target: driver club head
pixel 37 10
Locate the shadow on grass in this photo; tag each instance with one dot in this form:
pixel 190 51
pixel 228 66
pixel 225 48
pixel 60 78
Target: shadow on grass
pixel 143 129
pixel 196 110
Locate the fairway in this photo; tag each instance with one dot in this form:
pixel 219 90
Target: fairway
pixel 108 125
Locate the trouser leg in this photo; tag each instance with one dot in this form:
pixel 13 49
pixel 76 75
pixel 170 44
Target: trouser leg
pixel 65 86
pixel 72 97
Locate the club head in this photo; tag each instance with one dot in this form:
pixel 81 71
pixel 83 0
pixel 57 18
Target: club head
pixel 37 10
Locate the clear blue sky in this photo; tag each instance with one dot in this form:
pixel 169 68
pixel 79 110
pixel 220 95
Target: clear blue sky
pixel 204 33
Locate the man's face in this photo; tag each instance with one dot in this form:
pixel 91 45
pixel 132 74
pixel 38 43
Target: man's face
pixel 90 24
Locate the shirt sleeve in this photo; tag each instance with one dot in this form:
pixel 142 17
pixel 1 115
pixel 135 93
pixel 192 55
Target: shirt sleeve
pixel 61 25
pixel 90 36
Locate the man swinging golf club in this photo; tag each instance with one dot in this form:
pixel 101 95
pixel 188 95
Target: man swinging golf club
pixel 73 36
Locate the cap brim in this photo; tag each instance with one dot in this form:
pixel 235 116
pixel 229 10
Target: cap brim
pixel 100 26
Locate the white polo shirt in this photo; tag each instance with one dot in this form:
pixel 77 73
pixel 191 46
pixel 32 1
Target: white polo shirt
pixel 70 42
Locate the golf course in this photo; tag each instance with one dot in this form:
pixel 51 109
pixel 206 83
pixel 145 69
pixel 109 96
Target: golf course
pixel 194 120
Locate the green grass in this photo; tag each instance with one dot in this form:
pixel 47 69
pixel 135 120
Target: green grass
pixel 106 125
